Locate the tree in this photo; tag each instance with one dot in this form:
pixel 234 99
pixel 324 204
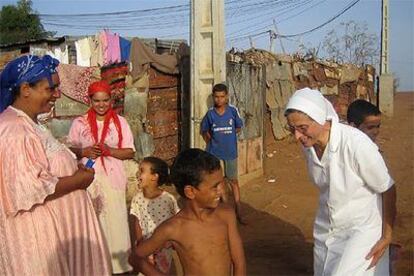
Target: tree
pixel 20 23
pixel 351 42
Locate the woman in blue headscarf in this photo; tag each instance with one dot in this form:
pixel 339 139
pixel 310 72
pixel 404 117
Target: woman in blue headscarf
pixel 47 222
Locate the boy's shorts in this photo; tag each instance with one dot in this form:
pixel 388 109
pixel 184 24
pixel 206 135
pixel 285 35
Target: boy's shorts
pixel 230 168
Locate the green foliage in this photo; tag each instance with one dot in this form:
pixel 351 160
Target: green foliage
pixel 20 23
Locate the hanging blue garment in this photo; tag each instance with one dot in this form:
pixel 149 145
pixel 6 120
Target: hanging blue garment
pixel 125 46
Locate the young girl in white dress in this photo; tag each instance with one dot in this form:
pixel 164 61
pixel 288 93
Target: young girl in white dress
pixel 152 205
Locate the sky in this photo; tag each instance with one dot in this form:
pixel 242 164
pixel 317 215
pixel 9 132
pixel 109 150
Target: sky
pixel 169 19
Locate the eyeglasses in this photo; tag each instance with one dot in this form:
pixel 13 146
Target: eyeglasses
pixel 301 128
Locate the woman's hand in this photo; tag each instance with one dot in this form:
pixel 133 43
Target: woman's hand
pixel 107 150
pixel 81 179
pixel 121 154
pixel 84 176
pixel 378 250
pixel 91 152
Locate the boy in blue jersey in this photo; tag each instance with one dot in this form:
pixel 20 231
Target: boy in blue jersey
pixel 219 129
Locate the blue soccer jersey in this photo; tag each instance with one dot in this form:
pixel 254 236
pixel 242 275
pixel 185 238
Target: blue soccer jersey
pixel 222 128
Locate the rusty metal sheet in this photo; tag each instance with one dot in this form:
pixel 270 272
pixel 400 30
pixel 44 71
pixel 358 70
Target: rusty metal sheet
pixel 350 73
pixel 332 73
pixel 8 56
pixel 331 82
pixel 326 90
pixel 161 80
pixel 166 148
pixel 247 89
pixel 313 83
pixel 163 99
pixel 299 69
pixel 347 91
pixel 162 117
pixel 162 123
pixel 319 73
pixel 282 71
pixel 163 130
pixel 302 82
pixel 362 92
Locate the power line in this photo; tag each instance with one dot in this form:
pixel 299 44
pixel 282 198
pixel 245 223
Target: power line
pixel 252 12
pixel 322 25
pixel 115 13
pixel 139 18
pixel 265 25
pixel 350 5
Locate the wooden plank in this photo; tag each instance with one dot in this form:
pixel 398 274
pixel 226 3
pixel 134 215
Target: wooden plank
pixel 242 157
pixel 254 154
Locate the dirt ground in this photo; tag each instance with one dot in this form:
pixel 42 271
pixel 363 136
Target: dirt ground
pixel 278 237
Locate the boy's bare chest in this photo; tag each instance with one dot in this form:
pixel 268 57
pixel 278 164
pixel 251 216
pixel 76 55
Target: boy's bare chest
pixel 204 238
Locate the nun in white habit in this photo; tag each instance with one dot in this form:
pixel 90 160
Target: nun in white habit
pixel 353 225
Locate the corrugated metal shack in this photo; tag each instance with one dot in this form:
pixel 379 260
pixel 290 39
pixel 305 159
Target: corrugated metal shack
pixel 247 88
pixel 340 83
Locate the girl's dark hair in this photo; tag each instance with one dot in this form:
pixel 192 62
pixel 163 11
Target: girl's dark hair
pixel 159 167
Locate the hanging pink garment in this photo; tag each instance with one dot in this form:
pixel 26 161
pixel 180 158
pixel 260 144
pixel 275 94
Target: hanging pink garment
pixel 75 80
pixel 112 50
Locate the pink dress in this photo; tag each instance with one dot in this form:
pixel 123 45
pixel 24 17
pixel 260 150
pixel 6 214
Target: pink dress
pixel 108 190
pixel 38 237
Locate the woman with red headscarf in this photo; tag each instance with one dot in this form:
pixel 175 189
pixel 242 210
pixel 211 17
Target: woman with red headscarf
pixel 106 138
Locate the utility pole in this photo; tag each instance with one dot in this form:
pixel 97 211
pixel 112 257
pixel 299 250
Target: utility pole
pixel 384 39
pixel 272 37
pixel 278 36
pixel 208 60
pixel 251 42
pixel 385 99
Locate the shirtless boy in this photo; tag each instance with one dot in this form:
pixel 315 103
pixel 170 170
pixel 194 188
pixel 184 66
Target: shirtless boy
pixel 204 233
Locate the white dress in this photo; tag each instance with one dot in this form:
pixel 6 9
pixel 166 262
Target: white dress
pixel 351 176
pixel 151 213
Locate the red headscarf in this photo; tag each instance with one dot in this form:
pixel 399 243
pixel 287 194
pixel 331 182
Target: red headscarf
pixel 103 86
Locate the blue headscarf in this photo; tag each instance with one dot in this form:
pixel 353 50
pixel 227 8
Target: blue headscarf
pixel 24 69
